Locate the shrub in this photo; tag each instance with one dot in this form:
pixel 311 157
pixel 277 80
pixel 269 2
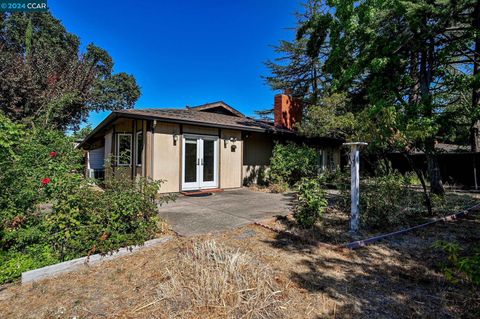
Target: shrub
pixel 13 263
pixel 84 220
pixel 461 267
pixel 311 202
pixel 386 201
pixel 290 162
pixel 50 213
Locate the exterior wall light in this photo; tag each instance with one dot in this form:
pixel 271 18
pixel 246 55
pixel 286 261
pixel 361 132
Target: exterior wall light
pixel 175 139
pixel 231 139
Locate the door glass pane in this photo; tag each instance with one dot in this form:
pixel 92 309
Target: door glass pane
pixel 208 160
pixel 190 160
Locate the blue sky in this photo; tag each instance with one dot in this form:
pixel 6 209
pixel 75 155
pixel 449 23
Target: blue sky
pixel 186 52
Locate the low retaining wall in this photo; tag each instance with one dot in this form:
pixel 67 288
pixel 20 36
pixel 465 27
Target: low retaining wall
pixel 76 264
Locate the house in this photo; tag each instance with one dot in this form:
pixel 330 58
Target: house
pixel 202 147
pixel 459 166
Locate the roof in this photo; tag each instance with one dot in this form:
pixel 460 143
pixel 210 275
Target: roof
pixel 202 115
pixel 452 148
pixel 193 116
pixel 444 148
pixel 214 106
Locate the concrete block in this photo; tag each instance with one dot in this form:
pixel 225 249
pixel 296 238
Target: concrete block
pixel 75 264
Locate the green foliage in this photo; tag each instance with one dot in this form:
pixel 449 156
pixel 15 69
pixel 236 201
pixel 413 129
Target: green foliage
pixel 329 118
pixel 84 220
pixel 386 201
pixel 291 162
pixel 46 79
pixel 311 202
pixel 461 267
pixel 396 74
pixel 13 263
pixel 82 133
pixel 50 213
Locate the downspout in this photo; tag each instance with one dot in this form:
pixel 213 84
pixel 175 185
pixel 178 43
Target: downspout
pixel 152 160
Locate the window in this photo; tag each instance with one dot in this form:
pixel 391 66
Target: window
pixel 124 149
pixel 326 159
pixel 139 147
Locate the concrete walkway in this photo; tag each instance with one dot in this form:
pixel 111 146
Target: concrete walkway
pixel 190 216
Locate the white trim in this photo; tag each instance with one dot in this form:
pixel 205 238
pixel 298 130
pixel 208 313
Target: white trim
pixel 117 155
pixel 199 183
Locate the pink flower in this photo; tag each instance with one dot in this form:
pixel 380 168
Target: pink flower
pixel 46 181
pixel 53 154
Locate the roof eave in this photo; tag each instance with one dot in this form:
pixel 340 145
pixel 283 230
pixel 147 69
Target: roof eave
pixel 99 127
pixel 118 114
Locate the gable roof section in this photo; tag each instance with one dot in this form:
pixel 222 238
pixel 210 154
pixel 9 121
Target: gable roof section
pixel 190 116
pixel 215 107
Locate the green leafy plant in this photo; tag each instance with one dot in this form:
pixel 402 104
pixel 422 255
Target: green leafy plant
pixel 84 220
pixel 291 162
pixel 461 267
pixel 385 201
pixel 49 212
pixel 311 202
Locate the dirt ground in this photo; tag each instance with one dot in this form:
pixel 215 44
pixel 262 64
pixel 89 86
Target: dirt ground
pixel 397 278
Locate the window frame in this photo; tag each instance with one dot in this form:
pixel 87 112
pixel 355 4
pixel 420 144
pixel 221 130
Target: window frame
pixel 119 135
pixel 137 157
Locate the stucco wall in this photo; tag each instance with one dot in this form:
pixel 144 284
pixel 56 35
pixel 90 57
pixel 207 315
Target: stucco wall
pixel 230 159
pixel 166 164
pixel 258 149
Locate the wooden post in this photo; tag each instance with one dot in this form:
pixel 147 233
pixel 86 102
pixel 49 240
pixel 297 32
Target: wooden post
pixel 355 184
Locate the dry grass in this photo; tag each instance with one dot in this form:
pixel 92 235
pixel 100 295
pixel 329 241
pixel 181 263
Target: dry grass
pixel 223 281
pixel 198 278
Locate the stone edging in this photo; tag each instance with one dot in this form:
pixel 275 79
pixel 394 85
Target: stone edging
pixel 75 264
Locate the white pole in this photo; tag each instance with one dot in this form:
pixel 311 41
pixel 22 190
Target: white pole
pixel 355 184
pixel 355 188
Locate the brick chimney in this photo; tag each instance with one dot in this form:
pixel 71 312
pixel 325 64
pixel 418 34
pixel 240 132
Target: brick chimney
pixel 287 110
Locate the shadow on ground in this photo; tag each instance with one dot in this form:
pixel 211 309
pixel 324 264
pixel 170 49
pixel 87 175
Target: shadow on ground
pixel 398 278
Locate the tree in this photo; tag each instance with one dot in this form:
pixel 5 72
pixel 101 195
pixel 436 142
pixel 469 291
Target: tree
pixel 46 81
pixel 295 70
pixel 404 68
pixel 265 115
pixel 80 134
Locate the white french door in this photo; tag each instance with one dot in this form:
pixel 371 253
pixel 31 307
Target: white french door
pixel 199 162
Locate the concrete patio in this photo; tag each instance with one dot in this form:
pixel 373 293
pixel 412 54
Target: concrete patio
pixel 189 216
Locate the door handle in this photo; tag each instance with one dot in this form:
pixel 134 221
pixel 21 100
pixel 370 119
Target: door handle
pixel 198 161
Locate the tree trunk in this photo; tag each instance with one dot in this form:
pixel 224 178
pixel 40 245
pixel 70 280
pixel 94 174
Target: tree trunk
pixel 414 90
pixel 475 127
pixel 428 201
pixel 436 184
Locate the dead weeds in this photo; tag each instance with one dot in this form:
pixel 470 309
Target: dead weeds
pixel 259 274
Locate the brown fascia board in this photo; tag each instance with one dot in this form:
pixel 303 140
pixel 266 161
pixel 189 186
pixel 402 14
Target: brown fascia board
pixel 114 115
pixel 99 127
